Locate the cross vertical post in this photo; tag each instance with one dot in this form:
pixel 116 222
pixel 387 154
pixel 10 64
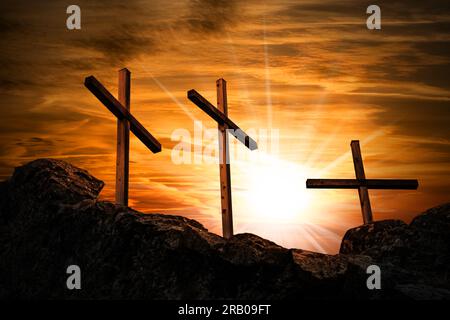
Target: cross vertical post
pixel 360 175
pixel 123 141
pixel 225 125
pixel 362 184
pixel 224 162
pixel 126 122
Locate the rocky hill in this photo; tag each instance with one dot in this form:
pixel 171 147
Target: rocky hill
pixel 50 218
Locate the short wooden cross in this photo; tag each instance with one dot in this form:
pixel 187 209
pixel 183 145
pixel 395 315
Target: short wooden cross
pixel 361 183
pixel 125 122
pixel 220 115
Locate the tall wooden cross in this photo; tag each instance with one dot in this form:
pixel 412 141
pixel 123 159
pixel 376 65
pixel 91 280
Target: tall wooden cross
pixel 361 183
pixel 220 115
pixel 125 122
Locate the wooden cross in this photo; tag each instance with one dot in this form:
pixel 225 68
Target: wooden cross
pixel 125 122
pixel 220 115
pixel 361 183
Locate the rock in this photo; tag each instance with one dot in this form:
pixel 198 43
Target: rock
pixel 430 239
pixel 422 292
pixel 380 239
pixel 50 218
pixel 420 251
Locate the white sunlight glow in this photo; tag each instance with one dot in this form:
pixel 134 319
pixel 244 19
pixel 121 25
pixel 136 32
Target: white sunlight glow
pixel 272 201
pixel 277 190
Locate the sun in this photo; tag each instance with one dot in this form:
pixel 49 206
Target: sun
pixel 277 190
pixel 272 201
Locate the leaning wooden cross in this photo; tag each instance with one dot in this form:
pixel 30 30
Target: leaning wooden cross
pixel 361 183
pixel 220 114
pixel 125 121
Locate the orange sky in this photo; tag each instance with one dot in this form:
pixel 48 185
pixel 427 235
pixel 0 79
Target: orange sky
pixel 309 69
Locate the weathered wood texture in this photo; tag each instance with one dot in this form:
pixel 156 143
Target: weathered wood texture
pixel 224 162
pixel 399 184
pixel 360 175
pixel 120 112
pixel 123 141
pixel 220 117
pixel 361 183
pixel 225 125
pixel 125 122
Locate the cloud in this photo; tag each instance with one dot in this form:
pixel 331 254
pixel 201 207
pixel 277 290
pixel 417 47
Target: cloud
pixel 212 16
pixel 121 43
pixel 413 117
pixel 354 10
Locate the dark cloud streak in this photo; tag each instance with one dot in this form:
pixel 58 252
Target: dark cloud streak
pixel 212 16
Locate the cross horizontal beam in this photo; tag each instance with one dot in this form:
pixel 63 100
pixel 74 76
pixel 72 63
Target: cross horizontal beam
pixel 221 118
pixel 398 184
pixel 120 112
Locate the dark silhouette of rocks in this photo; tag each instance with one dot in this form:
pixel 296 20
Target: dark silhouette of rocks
pixel 50 218
pixel 420 250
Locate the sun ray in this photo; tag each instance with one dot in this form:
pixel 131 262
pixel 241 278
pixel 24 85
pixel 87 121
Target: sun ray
pixel 374 135
pixel 267 79
pixel 174 99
